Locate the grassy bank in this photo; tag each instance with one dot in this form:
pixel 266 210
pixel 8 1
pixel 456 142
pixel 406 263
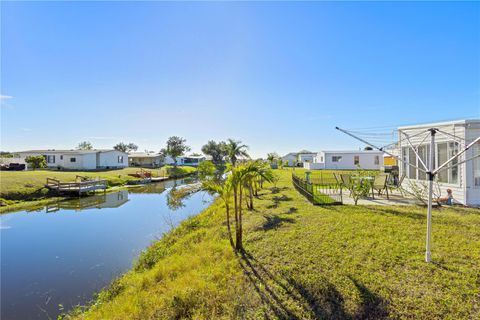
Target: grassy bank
pixel 21 189
pixel 305 262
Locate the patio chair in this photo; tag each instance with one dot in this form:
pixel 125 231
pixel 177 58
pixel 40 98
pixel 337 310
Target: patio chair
pixel 398 185
pixel 338 180
pixel 347 181
pixel 380 184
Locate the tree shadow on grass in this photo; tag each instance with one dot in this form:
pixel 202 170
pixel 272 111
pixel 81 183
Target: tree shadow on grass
pixel 373 306
pixel 319 299
pixel 269 294
pixel 325 302
pixel 291 210
pixel 277 199
pixel 278 189
pixel 273 222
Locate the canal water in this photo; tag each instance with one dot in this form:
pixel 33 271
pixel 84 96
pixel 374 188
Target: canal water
pixel 66 252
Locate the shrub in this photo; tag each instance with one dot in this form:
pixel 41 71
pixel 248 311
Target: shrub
pixel 206 170
pixel 36 162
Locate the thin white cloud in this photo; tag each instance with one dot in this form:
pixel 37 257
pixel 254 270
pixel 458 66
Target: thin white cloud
pixel 26 129
pixel 3 101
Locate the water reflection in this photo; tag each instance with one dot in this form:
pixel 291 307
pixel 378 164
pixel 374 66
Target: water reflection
pixel 63 258
pixel 99 201
pixel 162 186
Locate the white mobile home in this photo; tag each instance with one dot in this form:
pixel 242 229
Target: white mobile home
pixel 291 158
pixel 306 157
pixel 80 159
pixel 145 159
pixel 299 158
pixel 464 179
pixel 347 160
pixel 186 160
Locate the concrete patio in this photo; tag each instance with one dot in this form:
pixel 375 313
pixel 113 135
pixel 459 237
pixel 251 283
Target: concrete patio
pixel 395 199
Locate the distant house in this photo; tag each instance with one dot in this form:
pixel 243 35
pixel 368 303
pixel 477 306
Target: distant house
pixel 80 159
pixel 346 160
pixel 186 160
pixel 145 159
pixel 298 158
pixel 305 156
pixel 291 158
pixel 464 179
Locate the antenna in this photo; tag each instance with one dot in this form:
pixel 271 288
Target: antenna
pixel 429 170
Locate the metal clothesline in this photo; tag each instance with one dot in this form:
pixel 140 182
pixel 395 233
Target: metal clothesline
pixel 429 170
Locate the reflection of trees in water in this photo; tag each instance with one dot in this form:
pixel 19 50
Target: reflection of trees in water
pixel 149 188
pixel 176 196
pixel 175 199
pixel 160 187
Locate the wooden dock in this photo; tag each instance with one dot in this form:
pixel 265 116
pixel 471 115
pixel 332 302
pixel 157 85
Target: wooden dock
pixel 76 187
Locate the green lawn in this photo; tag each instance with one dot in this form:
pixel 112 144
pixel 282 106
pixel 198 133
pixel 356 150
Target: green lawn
pixel 326 176
pixel 305 262
pixel 28 185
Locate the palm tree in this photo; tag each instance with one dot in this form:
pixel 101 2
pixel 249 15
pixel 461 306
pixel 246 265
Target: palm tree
pixel 239 178
pixel 242 177
pixel 256 171
pixel 236 149
pixel 224 191
pixel 271 157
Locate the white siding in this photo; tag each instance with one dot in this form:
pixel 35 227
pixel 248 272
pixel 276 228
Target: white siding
pixel 472 190
pixel 464 189
pixel 83 160
pixel 110 159
pixel 181 161
pixel 306 157
pixel 291 158
pixel 313 166
pixel 347 162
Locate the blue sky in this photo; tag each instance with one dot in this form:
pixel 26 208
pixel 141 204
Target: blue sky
pixel 278 76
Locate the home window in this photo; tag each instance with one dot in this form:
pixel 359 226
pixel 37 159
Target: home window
pixel 412 160
pixel 422 152
pixel 50 159
pixel 453 172
pixel 356 160
pixel 73 159
pixel 61 157
pixel 410 157
pixel 476 165
pixel 376 160
pixel 321 159
pixel 336 158
pixel 120 159
pixel 444 151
